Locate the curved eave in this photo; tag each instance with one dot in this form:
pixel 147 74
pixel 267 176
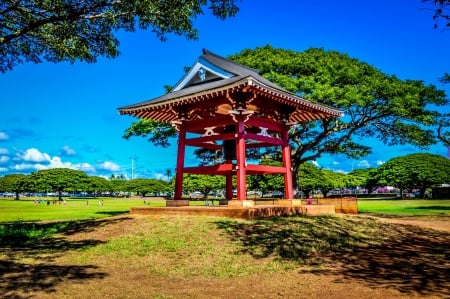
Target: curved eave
pixel 164 108
pixel 305 109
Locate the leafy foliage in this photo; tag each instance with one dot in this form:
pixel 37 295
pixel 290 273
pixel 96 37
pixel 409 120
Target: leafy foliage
pixel 56 179
pixel 145 186
pixel 158 133
pixel 441 11
pixel 65 30
pixel 13 183
pixel 376 105
pixel 271 182
pixel 204 183
pixel 415 171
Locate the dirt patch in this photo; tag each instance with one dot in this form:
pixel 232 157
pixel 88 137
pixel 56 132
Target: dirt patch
pixel 441 223
pixel 415 264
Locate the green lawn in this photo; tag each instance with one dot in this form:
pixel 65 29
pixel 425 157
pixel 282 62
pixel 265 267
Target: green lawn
pixel 405 207
pixel 27 210
pixel 75 209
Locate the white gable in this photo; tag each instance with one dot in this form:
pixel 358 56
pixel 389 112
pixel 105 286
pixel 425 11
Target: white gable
pixel 202 71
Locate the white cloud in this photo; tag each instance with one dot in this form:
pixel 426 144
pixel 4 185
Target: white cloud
pixel 161 176
pixel 45 161
pixel 4 159
pixel 363 163
pixel 34 155
pixel 109 166
pixel 4 151
pixel 3 169
pixel 86 167
pixel 3 136
pixel 56 162
pixel 67 151
pixel 27 166
pixel 315 163
pixel 379 162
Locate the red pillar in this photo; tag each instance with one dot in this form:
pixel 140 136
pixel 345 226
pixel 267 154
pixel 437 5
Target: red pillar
pixel 286 153
pixel 229 183
pixel 240 155
pixel 180 162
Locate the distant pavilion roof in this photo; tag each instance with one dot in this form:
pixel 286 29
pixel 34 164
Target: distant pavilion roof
pixel 212 81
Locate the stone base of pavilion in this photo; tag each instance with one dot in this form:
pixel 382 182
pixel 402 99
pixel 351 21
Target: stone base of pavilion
pixel 243 212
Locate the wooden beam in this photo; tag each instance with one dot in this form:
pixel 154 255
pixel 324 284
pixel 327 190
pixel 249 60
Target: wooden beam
pixel 265 169
pixel 206 145
pixel 222 169
pixel 200 124
pixel 264 123
pixel 201 139
pixel 270 140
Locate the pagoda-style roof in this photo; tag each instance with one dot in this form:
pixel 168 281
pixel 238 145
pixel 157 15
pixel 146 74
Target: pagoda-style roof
pixel 212 86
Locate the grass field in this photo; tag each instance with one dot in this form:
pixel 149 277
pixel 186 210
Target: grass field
pixel 88 254
pixel 405 207
pixel 89 208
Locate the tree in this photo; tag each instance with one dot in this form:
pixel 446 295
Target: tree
pixel 13 183
pixel 376 105
pixel 309 177
pixel 95 184
pixel 146 186
pixel 57 180
pixel 330 180
pixel 441 9
pixel 415 171
pixel 63 30
pixel 271 182
pixel 362 177
pixel 117 183
pixel 203 183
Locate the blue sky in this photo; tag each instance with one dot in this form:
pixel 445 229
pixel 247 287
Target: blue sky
pixel 65 115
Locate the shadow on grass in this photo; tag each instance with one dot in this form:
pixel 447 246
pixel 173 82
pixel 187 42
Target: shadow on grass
pixel 28 253
pixel 19 280
pixel 437 208
pixel 406 258
pixel 113 213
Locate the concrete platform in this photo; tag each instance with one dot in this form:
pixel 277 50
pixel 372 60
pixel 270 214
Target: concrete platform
pixel 254 212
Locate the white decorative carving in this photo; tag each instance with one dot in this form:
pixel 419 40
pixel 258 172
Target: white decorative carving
pixel 263 132
pixel 246 113
pixel 176 124
pixel 209 131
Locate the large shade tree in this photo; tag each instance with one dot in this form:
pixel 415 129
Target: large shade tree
pixel 376 105
pixel 56 180
pixel 67 30
pixel 13 183
pixel 145 186
pixel 203 183
pixel 415 171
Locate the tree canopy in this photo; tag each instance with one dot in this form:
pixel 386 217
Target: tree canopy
pixel 145 186
pixel 441 9
pixel 65 30
pixel 203 183
pixel 376 105
pixel 13 183
pixel 415 171
pixel 57 180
